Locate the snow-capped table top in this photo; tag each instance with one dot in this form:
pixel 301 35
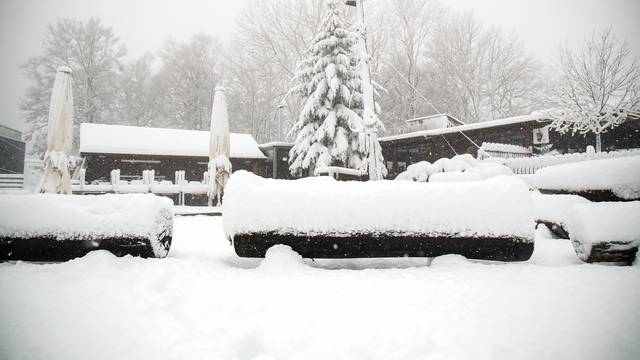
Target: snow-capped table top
pixel 498 207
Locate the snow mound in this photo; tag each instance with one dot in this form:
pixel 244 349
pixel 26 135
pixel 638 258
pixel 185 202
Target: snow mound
pixel 281 258
pixel 97 257
pixel 605 222
pixel 450 260
pixel 497 207
pixel 459 168
pixel 620 175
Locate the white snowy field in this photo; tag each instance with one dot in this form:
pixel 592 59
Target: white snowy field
pixel 203 302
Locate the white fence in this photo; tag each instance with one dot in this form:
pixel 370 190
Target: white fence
pixel 505 151
pixel 147 184
pixel 531 164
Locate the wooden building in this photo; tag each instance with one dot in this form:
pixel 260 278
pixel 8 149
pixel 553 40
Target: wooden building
pixel 277 164
pixel 11 151
pixel 134 149
pixel 403 150
pixel 525 131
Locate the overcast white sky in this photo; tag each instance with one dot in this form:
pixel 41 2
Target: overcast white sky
pixel 144 24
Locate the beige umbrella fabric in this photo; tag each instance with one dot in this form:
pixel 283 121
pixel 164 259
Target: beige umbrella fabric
pixel 219 147
pixel 56 177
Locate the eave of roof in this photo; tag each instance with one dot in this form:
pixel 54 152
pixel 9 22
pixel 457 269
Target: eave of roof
pixel 468 127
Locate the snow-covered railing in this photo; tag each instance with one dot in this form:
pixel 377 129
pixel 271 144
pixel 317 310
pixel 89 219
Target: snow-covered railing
pixel 147 184
pixel 336 172
pixel 506 151
pixel 12 183
pixel 531 164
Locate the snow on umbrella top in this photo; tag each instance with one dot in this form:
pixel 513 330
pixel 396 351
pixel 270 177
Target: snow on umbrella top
pixel 59 135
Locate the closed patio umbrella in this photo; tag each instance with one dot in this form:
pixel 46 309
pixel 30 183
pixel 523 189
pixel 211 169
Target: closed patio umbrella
pixel 219 147
pixel 56 177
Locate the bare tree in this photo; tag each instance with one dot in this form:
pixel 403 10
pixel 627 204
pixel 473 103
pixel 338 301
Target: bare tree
pixel 93 52
pixel 598 84
pixel 276 34
pixel 409 28
pixel 139 94
pixel 253 88
pixel 190 71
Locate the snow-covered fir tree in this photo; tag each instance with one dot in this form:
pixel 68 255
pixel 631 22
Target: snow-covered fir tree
pixel 329 81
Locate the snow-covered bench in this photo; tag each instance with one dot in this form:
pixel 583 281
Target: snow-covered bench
pixel 324 218
pixel 341 173
pixel 47 227
pixel 605 232
pixel 554 210
pixel 616 179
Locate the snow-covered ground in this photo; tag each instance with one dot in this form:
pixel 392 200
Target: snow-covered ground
pixel 203 302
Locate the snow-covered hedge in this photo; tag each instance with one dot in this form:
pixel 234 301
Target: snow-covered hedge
pixel 459 168
pixel 620 175
pixel 498 207
pixel 81 218
pixel 608 226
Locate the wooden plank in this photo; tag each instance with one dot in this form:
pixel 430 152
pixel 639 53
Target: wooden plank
pixel 11 176
pixel 606 252
pixel 385 245
pixel 591 195
pixel 50 248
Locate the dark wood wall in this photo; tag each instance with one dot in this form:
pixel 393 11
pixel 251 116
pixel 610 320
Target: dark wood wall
pixel 277 161
pixel 401 153
pixel 11 156
pixel 99 166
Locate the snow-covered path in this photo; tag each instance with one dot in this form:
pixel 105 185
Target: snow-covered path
pixel 205 303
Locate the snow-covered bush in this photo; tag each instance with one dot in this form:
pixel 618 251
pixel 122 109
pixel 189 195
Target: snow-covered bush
pixel 459 168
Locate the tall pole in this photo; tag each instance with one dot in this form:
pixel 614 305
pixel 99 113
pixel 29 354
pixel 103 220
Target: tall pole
pixel 369 118
pixel 279 120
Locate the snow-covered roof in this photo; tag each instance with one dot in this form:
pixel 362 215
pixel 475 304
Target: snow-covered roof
pixel 119 139
pixel 451 118
pixel 276 143
pixel 468 127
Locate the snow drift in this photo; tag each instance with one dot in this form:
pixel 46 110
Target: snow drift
pixel 143 220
